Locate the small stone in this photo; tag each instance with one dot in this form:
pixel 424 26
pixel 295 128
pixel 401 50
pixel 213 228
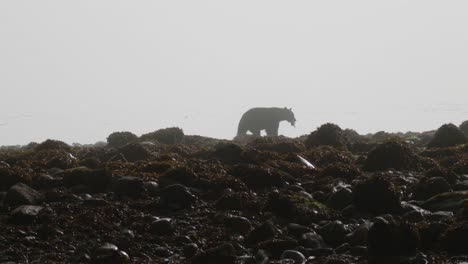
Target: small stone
pixel 190 250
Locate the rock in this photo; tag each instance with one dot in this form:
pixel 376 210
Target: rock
pixel 238 224
pixel 96 180
pixel 262 233
pixel 297 230
pixel 455 239
pixel 391 154
pixel 228 152
pixel 298 207
pixel 170 135
pixel 327 135
pixel 91 162
pixel 320 252
pixel 340 199
pixel 25 214
pixel 257 177
pixel 440 216
pixel 162 227
pixel 109 253
pixel 119 139
pixel 152 187
pixel 135 152
pixel 312 240
pixel 163 252
pixel 51 144
pixel 376 195
pixel 236 201
pixel 427 188
pixel 224 253
pixel 130 186
pixel 182 176
pixel 385 239
pixel 276 246
pixel 176 196
pixel 334 233
pixel 190 250
pixel 450 201
pixel 296 256
pixel 447 135
pixel 22 194
pixel 359 235
pixel 262 257
pixel 11 176
pixel 125 238
pixel 95 202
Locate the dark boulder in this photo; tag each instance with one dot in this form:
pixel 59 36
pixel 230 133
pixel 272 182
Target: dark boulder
pixel 181 175
pixel 376 195
pixel 176 196
pixel 22 194
pixel 447 135
pixel 130 186
pixel 25 214
pixel 96 180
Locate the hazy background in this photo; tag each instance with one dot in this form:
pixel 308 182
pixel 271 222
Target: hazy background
pixel 79 70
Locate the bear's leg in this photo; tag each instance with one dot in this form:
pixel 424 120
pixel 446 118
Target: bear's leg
pixel 255 132
pixel 273 130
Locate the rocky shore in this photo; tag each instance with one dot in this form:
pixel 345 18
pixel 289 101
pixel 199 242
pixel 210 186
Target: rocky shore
pixel 332 197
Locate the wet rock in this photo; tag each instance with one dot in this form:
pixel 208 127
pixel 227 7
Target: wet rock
pixel 340 199
pixel 385 239
pixel 162 227
pixel 11 176
pixel 51 144
pixel 228 152
pixel 125 238
pixel 96 180
pixel 236 201
pixel 427 188
pixel 376 195
pixel 182 176
pixel 327 134
pixel 224 253
pixel 131 186
pixel 312 240
pixel 152 187
pixel 440 216
pixel 341 170
pixel 171 135
pixel 95 202
pixel 334 233
pixel 135 152
pixel 455 239
pixel 262 257
pixel 320 252
pixel 91 162
pixel 358 236
pixel 297 230
pixel 110 253
pixel 392 154
pixel 446 136
pixel 296 256
pixel 257 177
pixel 238 224
pixel 262 233
pixel 22 194
pixel 296 207
pixel 176 196
pixel 163 252
pixel 450 201
pixel 276 246
pixel 119 139
pixel 430 235
pixel 190 250
pixel 25 214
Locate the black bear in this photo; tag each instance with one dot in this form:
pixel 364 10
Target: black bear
pixel 268 119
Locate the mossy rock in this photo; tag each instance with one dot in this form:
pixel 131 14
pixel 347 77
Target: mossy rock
pixel 448 135
pixel 118 139
pixel 392 154
pixel 171 135
pixel 327 135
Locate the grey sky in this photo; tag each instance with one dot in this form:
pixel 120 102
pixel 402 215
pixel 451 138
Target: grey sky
pixel 78 70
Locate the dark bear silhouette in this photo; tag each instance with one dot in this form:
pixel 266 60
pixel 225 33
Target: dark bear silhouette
pixel 268 119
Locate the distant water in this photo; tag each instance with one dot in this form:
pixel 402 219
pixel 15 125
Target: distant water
pixel 93 126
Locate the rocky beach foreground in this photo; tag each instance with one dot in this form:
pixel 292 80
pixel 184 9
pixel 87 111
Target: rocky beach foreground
pixel 332 197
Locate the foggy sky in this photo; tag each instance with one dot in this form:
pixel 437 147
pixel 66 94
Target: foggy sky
pixel 79 70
